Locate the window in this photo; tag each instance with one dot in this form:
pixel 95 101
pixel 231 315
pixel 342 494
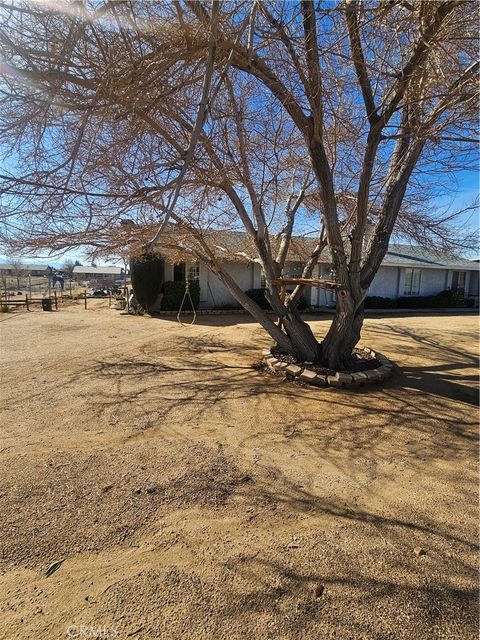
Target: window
pixel 412 282
pixel 179 272
pixel 194 272
pixel 326 272
pixel 189 269
pixel 458 280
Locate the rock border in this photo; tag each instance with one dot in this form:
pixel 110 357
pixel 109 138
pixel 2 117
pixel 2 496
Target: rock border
pixel 339 379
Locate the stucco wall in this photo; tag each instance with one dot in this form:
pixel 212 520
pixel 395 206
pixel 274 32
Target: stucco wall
pixel 385 283
pixel 390 282
pixel 432 281
pixel 212 292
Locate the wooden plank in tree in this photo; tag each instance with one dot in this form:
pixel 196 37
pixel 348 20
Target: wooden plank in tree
pixel 311 282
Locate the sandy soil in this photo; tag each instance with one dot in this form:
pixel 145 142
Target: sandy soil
pixel 191 496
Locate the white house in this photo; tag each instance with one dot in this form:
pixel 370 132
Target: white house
pixel 413 271
pixel 406 271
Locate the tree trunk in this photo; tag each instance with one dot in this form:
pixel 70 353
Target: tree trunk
pixel 297 338
pixel 344 333
pixel 304 344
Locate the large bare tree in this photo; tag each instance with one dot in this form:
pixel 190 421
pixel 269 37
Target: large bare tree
pixel 189 119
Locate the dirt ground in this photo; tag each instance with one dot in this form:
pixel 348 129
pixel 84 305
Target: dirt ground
pixel 191 496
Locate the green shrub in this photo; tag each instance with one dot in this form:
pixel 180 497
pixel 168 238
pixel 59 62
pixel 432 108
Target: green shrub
pixel 258 296
pixel 377 302
pixel 443 300
pixel 173 293
pixel 147 273
pixel 452 297
pixel 414 302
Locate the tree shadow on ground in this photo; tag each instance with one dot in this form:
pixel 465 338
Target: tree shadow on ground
pixel 231 318
pixel 198 382
pixel 371 582
pixel 211 319
pixel 371 564
pixel 371 576
pixel 440 379
pixel 446 379
pixel 384 606
pixel 357 425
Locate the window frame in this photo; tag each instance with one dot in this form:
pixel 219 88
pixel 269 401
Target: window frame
pixel 461 277
pixel 263 279
pixel 412 290
pixel 193 266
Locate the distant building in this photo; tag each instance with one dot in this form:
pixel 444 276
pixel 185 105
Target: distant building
pixel 98 274
pixel 26 269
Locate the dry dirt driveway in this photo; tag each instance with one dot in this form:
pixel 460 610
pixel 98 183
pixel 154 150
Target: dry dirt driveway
pixel 191 496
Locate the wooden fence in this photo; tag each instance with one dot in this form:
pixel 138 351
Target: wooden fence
pixel 28 301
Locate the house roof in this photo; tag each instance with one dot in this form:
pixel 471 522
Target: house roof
pixel 398 255
pixel 114 271
pixel 402 255
pixel 23 266
pixel 238 246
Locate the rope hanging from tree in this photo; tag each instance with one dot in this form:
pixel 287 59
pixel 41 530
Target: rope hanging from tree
pixel 185 295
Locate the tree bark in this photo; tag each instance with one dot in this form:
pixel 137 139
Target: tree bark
pixel 344 333
pixel 305 347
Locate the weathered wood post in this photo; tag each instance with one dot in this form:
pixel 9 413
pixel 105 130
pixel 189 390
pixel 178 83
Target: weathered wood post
pixel 56 301
pixel 85 298
pixel 26 302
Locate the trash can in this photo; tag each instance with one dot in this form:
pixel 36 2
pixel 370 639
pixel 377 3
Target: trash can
pixel 120 304
pixel 47 304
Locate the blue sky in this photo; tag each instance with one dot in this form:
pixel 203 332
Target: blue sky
pixel 460 191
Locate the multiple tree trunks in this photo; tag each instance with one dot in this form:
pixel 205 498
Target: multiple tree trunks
pixel 335 350
pixel 341 338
